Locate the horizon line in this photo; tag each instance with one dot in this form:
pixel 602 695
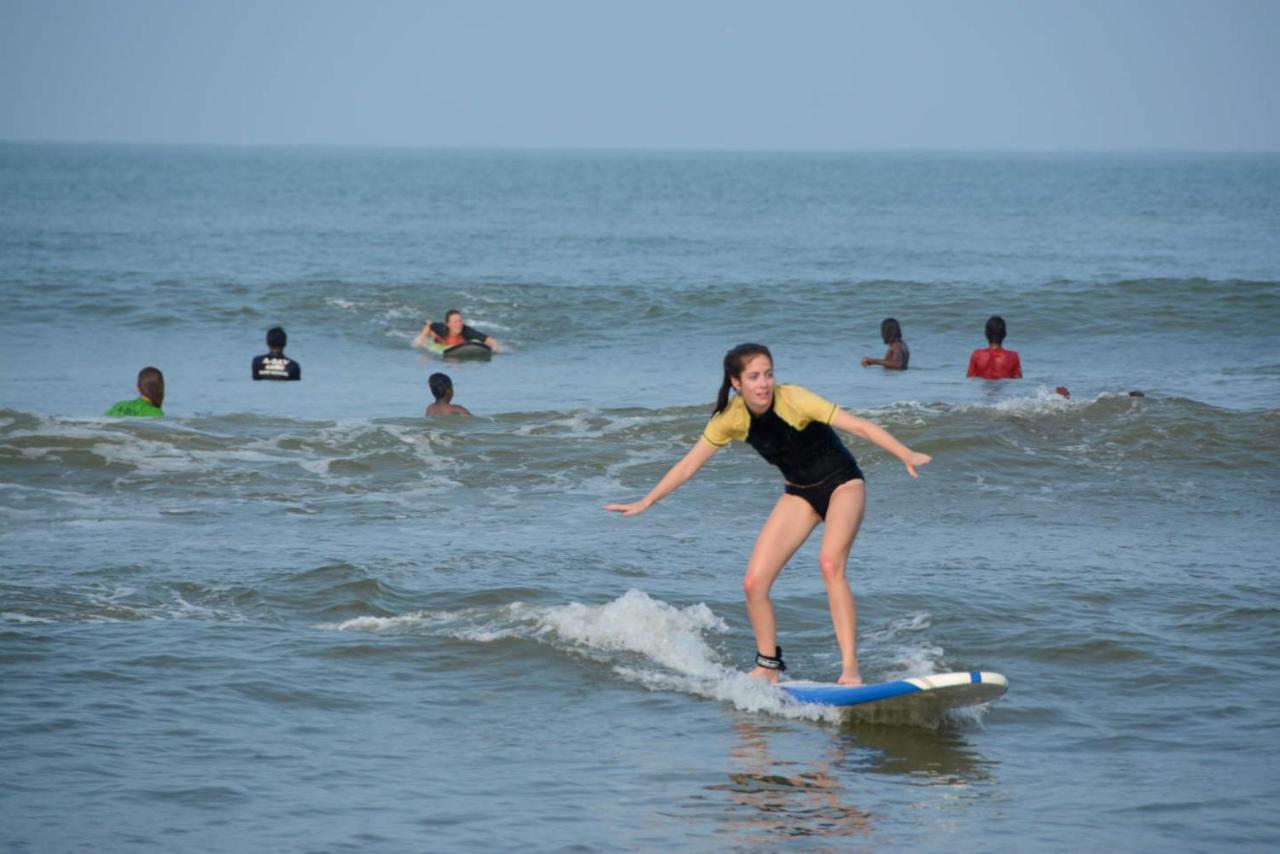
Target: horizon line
pixel 631 149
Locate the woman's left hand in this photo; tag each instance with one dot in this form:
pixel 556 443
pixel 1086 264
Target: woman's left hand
pixel 628 509
pixel 915 459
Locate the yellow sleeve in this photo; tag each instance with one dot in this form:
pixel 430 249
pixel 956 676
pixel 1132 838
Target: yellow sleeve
pixel 725 425
pixel 805 406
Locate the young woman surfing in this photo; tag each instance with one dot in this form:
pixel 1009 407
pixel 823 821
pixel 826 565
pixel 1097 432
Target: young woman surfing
pixel 791 428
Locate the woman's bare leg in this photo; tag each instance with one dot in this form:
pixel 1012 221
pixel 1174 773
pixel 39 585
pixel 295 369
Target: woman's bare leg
pixel 787 527
pixel 844 517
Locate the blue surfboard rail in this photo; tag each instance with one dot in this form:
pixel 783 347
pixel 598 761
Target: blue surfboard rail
pixel 941 685
pixel 844 695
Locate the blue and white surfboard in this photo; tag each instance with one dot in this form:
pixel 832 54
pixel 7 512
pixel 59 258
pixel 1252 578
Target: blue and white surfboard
pixel 940 691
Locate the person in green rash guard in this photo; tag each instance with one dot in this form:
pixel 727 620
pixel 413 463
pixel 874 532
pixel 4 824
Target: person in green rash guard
pixel 150 397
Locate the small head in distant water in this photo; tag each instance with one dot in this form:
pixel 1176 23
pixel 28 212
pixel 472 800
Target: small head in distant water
pixel 995 329
pixel 441 386
pixel 276 339
pixel 890 331
pixel 151 386
pixel 453 322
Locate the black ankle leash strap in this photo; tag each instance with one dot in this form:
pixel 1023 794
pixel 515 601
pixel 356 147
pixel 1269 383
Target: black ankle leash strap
pixel 772 662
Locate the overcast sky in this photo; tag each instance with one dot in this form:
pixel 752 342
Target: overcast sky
pixel 1097 74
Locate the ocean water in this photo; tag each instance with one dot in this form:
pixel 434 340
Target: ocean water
pixel 302 617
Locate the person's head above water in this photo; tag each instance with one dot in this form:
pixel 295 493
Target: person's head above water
pixel 995 329
pixel 736 362
pixel 441 386
pixel 453 321
pixel 151 385
pixel 276 339
pixel 890 331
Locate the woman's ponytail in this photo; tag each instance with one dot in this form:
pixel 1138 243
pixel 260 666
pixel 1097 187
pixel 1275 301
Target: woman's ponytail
pixel 722 399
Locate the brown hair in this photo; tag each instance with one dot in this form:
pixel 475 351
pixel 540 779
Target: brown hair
pixel 151 386
pixel 734 361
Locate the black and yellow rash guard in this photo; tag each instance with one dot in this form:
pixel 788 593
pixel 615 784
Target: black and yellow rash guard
pixel 795 434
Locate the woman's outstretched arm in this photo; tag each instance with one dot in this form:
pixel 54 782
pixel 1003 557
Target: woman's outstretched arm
pixel 880 437
pixel 701 451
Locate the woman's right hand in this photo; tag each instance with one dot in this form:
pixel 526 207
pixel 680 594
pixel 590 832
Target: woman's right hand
pixel 679 473
pixel 421 340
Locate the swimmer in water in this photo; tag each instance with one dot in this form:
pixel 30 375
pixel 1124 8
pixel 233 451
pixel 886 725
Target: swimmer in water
pixel 791 428
pixel 453 332
pixel 442 389
pixel 150 397
pixel 275 365
pixel 994 362
pixel 897 356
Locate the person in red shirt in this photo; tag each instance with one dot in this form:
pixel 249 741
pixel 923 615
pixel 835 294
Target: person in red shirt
pixel 993 362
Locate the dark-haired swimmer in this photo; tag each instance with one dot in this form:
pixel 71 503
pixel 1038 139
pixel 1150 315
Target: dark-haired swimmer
pixel 994 362
pixel 275 365
pixel 791 428
pixel 897 356
pixel 442 389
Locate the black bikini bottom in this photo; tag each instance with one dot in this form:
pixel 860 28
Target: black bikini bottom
pixel 819 494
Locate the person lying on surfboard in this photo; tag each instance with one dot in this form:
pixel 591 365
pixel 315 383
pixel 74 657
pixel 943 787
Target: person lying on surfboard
pixel 791 428
pixel 453 332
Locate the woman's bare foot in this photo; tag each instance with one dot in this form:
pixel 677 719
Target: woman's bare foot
pixel 771 676
pixel 850 678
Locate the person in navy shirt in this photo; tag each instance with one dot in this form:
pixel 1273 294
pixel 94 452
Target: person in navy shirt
pixel 275 365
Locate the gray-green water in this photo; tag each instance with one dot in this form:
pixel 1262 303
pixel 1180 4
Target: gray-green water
pixel 302 617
